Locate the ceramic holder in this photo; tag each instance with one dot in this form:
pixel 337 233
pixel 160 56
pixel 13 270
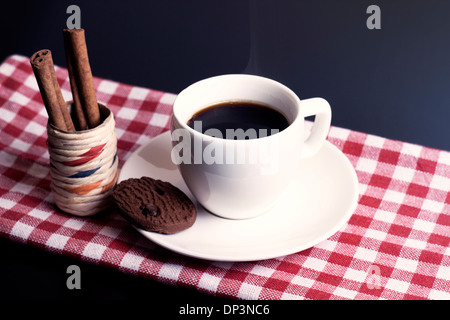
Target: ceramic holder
pixel 84 166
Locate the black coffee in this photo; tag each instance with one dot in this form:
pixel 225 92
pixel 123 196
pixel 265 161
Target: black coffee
pixel 238 121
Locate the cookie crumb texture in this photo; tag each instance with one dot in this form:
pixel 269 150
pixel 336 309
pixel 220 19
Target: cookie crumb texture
pixel 154 205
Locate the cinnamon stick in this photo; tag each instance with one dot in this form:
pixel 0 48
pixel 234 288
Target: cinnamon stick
pixel 77 110
pixel 62 102
pixel 44 71
pixel 76 49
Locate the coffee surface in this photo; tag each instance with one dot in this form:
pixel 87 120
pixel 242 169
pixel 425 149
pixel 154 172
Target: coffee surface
pixel 238 120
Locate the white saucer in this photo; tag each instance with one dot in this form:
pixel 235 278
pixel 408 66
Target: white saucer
pixel 319 202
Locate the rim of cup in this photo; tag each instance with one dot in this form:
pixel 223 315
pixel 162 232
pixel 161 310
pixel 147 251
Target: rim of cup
pixel 293 119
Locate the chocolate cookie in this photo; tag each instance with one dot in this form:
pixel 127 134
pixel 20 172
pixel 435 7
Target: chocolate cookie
pixel 154 205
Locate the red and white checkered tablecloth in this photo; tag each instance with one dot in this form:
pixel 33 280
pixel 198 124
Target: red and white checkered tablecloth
pixel 395 245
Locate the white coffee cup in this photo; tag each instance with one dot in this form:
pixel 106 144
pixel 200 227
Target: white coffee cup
pixel 239 179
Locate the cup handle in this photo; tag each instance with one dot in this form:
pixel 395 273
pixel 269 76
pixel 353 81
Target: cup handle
pixel 322 110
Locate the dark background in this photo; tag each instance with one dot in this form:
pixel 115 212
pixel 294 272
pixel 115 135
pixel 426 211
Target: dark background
pixel 393 82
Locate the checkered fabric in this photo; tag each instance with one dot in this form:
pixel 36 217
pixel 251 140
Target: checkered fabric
pixel 395 245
